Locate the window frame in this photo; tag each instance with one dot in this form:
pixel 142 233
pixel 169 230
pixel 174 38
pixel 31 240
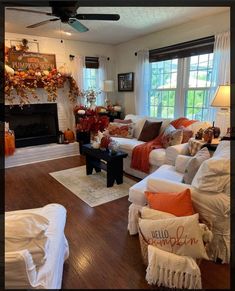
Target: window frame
pixel 185 51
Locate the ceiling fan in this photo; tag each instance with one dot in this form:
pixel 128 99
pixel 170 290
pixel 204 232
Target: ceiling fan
pixel 66 11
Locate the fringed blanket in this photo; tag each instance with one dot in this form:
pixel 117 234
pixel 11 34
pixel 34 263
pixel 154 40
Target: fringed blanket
pixel 171 270
pixel 140 154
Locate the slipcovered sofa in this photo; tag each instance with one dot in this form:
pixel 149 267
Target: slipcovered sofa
pixel 159 156
pixel 210 193
pixel 21 269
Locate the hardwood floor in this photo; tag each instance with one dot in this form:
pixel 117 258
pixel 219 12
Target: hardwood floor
pixel 102 253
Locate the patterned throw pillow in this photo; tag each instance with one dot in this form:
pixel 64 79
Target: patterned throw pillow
pixel 194 164
pixel 121 130
pixel 171 136
pixel 187 134
pixel 150 130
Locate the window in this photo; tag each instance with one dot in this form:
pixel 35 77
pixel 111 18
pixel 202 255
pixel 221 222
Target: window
pixel 90 79
pixel 163 88
pixel 180 80
pixel 198 86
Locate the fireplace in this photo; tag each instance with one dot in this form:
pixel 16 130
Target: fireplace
pixel 33 124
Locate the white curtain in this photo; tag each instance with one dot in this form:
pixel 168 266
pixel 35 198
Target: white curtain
pixel 142 83
pixel 220 76
pixel 78 65
pixel 101 76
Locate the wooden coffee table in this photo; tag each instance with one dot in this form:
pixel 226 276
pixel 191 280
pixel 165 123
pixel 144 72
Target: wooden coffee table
pixel 111 163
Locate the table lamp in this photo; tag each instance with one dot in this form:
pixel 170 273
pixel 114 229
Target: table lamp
pixel 108 86
pixel 222 100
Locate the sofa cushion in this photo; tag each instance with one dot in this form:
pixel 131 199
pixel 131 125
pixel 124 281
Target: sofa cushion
pixel 179 204
pixel 127 144
pixel 136 191
pixel 214 173
pixel 194 163
pixel 157 157
pixel 150 130
pixel 179 235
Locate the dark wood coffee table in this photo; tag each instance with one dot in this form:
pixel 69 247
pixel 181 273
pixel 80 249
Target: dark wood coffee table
pixel 111 163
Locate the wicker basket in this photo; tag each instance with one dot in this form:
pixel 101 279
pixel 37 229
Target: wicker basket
pixel 143 247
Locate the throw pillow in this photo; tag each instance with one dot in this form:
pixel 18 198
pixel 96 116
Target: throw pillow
pixel 187 134
pixel 150 130
pixel 171 136
pixel 179 204
pixel 123 121
pixel 149 213
pixel 194 164
pixel 121 130
pixel 214 174
pixel 178 235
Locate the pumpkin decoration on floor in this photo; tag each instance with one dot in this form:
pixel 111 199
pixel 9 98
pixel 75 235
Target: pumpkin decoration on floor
pixel 69 135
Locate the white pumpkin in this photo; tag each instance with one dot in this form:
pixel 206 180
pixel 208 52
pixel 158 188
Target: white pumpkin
pixel 46 73
pixel 9 70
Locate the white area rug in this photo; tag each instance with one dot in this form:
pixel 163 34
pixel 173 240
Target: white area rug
pixel 92 188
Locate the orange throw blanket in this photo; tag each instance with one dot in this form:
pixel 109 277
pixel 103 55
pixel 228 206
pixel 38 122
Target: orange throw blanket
pixel 140 154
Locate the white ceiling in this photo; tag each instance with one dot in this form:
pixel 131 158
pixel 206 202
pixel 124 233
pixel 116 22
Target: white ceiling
pixel 134 22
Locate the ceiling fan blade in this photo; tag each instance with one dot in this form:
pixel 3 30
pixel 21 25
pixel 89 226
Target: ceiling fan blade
pixel 113 17
pixel 29 10
pixel 77 25
pixel 42 22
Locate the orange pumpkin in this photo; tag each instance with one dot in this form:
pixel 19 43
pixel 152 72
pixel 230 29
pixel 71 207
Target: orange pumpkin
pixel 9 143
pixel 69 135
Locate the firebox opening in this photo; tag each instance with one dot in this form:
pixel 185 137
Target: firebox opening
pixel 33 124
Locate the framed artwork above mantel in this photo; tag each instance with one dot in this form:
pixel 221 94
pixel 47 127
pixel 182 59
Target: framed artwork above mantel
pixel 126 82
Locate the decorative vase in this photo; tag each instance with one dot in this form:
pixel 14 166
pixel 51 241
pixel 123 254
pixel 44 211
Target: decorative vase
pixel 92 105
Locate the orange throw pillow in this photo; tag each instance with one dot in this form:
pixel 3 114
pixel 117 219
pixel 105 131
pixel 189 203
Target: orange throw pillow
pixel 179 204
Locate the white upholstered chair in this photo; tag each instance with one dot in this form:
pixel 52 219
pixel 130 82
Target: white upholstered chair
pixel 21 271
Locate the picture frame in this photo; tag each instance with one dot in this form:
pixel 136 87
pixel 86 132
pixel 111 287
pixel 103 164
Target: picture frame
pixel 126 82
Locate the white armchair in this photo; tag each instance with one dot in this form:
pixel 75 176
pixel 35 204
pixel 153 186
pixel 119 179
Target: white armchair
pixel 21 269
pixel 213 206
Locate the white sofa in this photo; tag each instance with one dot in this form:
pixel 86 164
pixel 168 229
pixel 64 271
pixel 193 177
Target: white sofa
pixel 20 271
pixel 213 206
pixel 157 157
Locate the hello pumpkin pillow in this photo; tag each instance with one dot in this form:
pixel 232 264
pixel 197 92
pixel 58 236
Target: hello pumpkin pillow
pixel 178 235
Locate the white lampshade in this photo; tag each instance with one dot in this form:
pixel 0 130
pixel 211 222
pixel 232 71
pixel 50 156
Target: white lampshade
pixel 108 86
pixel 222 97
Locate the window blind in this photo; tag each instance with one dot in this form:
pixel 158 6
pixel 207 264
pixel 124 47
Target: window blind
pixel 92 62
pixel 182 50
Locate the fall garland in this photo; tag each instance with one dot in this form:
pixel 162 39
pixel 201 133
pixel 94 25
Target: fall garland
pixel 25 83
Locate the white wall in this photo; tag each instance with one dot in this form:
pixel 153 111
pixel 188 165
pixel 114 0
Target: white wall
pixel 126 59
pixel 122 56
pixel 62 52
